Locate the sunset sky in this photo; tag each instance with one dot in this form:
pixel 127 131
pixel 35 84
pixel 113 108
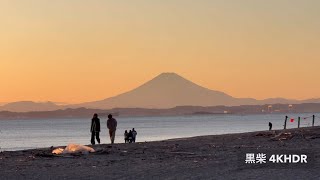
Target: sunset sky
pixel 78 50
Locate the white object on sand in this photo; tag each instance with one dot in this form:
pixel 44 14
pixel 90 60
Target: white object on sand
pixel 73 148
pixel 57 151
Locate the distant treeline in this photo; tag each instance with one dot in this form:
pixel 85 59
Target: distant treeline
pixel 180 110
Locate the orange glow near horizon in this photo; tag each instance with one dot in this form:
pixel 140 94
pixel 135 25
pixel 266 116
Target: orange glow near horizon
pixel 78 51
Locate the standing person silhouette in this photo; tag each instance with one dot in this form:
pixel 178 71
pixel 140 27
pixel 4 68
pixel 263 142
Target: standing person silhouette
pixel 130 136
pixel 270 126
pixel 126 136
pixel 112 126
pixel 95 129
pixel 134 135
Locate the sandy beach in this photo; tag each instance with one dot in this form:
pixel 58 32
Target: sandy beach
pixel 204 157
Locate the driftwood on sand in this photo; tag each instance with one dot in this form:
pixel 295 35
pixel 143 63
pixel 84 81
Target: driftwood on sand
pixel 282 136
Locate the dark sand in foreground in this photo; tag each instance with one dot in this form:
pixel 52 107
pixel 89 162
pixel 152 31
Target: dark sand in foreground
pixel 205 157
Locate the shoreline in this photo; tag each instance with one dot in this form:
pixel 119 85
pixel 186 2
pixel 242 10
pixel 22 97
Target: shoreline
pixel 200 157
pixel 153 141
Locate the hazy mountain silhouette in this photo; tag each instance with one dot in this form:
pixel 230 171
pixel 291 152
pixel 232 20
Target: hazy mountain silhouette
pixel 167 90
pixel 27 106
pixel 170 90
pixel 314 100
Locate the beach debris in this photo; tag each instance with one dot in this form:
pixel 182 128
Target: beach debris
pixel 282 136
pixel 102 151
pixel 182 153
pixel 144 149
pixel 213 146
pixel 32 157
pixel 74 149
pixel 44 155
pixel 313 137
pixel 57 151
pixel 123 153
pixel 264 134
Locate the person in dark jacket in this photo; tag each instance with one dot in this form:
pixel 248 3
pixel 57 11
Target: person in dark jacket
pixel 95 129
pixel 126 136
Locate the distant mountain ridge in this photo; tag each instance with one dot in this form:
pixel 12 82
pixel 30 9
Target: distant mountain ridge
pixel 176 111
pixel 27 106
pixel 167 90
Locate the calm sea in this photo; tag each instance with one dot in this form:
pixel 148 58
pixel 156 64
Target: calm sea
pixel 26 134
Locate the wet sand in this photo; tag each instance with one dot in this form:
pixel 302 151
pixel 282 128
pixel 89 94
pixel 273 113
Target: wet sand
pixel 203 157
